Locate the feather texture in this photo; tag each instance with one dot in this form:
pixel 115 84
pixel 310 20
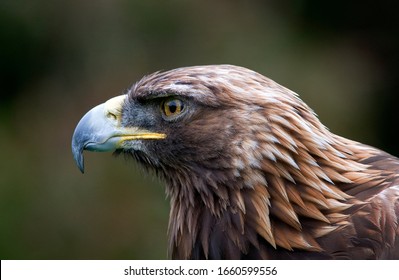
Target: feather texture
pixel 252 173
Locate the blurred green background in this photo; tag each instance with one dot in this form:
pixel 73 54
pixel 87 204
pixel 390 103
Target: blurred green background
pixel 60 58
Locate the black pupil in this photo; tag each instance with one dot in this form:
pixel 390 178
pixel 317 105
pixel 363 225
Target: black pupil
pixel 173 106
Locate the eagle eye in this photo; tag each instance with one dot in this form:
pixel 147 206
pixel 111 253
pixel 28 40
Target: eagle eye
pixel 172 107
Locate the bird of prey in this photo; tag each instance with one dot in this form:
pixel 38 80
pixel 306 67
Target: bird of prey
pixel 250 171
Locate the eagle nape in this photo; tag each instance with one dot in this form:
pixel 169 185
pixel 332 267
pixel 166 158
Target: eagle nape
pixel 250 171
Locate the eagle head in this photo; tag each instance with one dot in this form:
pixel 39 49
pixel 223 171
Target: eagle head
pixel 249 169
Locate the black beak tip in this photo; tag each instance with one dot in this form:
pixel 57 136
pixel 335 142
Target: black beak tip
pixel 81 166
pixel 78 157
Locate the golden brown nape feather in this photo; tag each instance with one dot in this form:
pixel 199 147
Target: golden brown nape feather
pixel 263 178
pixel 251 173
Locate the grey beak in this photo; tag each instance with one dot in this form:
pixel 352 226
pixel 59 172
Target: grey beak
pixel 100 130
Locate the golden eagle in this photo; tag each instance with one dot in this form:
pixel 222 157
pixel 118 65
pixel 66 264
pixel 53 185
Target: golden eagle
pixel 250 171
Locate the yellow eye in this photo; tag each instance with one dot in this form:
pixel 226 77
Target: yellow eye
pixel 172 107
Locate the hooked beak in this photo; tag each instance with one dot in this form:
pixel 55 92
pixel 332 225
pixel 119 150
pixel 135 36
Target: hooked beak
pixel 100 130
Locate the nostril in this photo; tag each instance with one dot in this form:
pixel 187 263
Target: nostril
pixel 111 115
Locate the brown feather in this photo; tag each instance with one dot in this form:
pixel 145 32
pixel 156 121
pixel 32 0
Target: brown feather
pixel 252 173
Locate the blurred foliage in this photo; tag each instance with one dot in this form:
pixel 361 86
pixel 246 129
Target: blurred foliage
pixel 60 58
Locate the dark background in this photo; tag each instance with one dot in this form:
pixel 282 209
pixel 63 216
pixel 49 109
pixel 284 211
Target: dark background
pixel 60 58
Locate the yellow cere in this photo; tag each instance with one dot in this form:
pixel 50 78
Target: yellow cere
pixel 113 107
